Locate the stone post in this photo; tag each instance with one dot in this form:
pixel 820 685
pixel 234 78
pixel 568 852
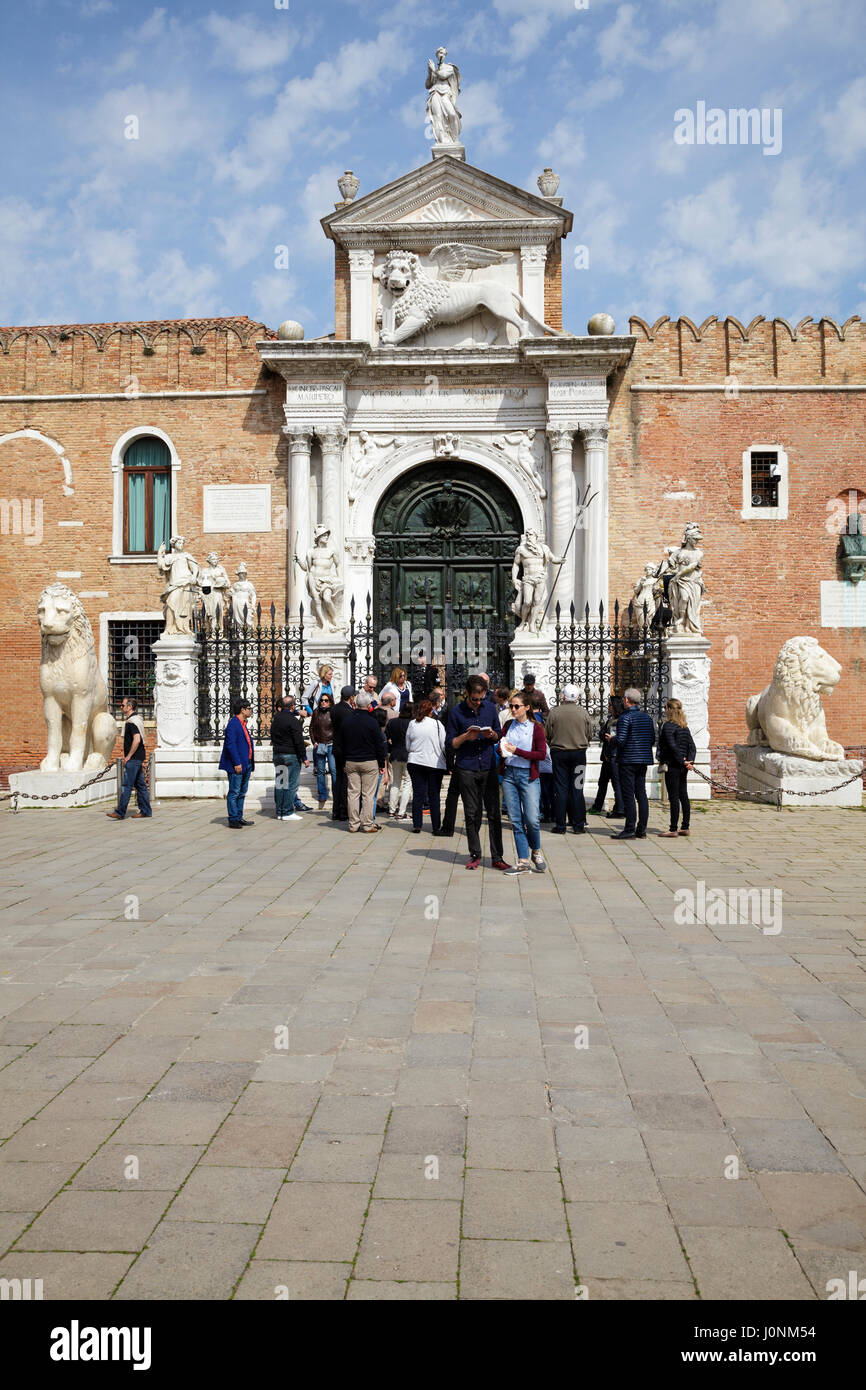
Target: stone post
pixel 689 682
pixel 563 508
pixel 175 691
pixel 299 512
pixel 595 545
pixel 361 295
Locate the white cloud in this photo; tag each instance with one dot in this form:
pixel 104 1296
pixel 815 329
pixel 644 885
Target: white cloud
pixel 845 126
pixel 532 23
pixel 483 116
pixel 275 298
pixel 598 92
pixel 170 121
pixel 563 149
pixel 248 233
pixel 623 41
pixel 193 290
pixel 248 46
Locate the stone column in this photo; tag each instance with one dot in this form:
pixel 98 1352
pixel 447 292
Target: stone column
pixel 175 689
pixel 533 259
pixel 298 541
pixel 563 517
pixel 361 295
pixel 332 438
pixel 595 552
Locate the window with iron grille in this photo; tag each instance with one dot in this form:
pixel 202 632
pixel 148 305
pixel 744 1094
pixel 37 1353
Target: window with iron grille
pixel 765 479
pixel 131 662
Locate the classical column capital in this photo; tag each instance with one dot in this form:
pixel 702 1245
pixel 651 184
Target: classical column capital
pixel 595 435
pixel 561 437
pixel 533 255
pixel 300 437
pixel 361 259
pixel 331 437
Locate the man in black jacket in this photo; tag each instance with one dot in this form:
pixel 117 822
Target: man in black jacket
pixel 341 711
pixel 363 746
pixel 287 741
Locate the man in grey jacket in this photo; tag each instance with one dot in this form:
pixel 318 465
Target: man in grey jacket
pixel 569 729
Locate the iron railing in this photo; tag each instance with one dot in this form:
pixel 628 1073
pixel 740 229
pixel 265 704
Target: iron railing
pixel 257 658
pixel 603 658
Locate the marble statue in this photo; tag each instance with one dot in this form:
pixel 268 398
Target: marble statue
pixel 213 581
pixel 322 568
pixel 853 553
pixel 519 445
pixel 181 572
pixel 243 599
pixel 424 298
pixel 685 588
pixel 529 576
pixel 446 445
pixel 443 85
pixel 645 591
pixel 81 732
pixel 787 716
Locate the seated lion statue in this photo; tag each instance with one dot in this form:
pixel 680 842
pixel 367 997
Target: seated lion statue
pixel 81 732
pixel 787 717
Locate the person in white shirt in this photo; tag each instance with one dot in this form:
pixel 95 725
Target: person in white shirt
pixel 398 686
pixel 425 759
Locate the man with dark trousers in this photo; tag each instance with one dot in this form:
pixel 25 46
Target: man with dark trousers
pixel 569 729
pixel 237 760
pixel 635 737
pixel 472 733
pixel 346 704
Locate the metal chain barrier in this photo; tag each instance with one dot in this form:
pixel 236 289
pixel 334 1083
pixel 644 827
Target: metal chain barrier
pixel 743 795
pixel 73 791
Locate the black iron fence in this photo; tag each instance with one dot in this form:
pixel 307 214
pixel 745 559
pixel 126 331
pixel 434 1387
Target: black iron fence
pixel 604 658
pixel 257 658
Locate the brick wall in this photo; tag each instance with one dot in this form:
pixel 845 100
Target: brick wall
pixel 553 285
pixel 218 440
pixel 342 295
pixel 763 577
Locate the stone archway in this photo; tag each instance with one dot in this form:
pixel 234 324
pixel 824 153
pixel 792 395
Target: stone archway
pixel 445 545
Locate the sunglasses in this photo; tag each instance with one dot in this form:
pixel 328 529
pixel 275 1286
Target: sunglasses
pixel 516 705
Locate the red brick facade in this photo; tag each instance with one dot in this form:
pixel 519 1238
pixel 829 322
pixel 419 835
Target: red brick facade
pixel 763 576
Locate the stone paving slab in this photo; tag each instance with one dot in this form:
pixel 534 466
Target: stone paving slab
pixel 287 1080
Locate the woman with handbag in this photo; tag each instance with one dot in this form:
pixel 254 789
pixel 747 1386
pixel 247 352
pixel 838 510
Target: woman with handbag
pixel 676 758
pixel 425 760
pixel 522 748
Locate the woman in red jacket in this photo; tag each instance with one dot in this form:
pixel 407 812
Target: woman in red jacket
pixel 522 747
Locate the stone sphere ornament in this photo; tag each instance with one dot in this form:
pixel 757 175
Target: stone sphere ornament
pixel 601 326
pixel 290 332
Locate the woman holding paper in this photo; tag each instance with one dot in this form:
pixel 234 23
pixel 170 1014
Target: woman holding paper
pixel 522 748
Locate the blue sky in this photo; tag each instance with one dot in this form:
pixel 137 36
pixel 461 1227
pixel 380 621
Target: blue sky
pixel 248 113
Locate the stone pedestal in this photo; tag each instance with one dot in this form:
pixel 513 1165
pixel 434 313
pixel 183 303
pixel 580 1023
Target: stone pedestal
pixel 175 691
pixel 329 647
pixel 533 653
pixel 776 775
pixel 454 151
pixel 689 682
pixel 38 784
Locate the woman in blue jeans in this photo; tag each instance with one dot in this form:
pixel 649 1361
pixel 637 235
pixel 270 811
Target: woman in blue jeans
pixel 522 748
pixel 322 739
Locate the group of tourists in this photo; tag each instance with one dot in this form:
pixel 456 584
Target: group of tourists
pixel 507 754
pixel 387 753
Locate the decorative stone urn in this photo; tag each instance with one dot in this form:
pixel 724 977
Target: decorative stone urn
pixel 348 186
pixel 548 182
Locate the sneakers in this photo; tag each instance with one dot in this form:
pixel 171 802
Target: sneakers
pixel 595 811
pixel 538 864
pixel 625 835
pixel 500 864
pixel 293 816
pixel 523 866
pixel 474 862
pixel 615 815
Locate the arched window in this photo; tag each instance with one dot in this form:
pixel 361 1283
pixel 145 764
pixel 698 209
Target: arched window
pixel 146 495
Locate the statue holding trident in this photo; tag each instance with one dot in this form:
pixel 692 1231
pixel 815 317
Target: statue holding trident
pixel 529 577
pixel 322 568
pixel 443 84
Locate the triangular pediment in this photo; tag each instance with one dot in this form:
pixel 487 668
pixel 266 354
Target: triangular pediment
pixel 446 194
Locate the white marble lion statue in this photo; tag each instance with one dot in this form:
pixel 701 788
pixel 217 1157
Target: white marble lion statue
pixel 787 717
pixel 81 732
pixel 423 299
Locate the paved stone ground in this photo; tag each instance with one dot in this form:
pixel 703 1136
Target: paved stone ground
pixel 431 1131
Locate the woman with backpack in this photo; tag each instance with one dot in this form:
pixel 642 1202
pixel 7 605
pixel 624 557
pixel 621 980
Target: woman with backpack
pixel 676 749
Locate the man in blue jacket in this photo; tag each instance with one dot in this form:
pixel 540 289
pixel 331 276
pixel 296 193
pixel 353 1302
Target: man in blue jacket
pixel 472 732
pixel 635 737
pixel 238 761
